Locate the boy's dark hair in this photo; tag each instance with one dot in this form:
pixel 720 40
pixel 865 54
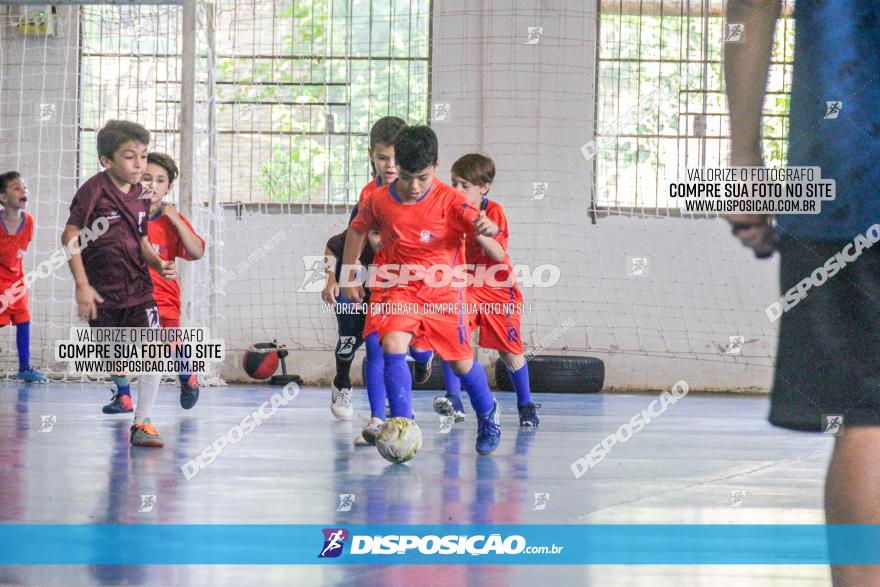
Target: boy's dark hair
pixel 7 178
pixel 385 130
pixel 475 168
pixel 416 148
pixel 116 132
pixel 166 162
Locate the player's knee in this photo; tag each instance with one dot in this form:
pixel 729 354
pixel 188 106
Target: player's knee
pixel 396 343
pixel 462 366
pixel 513 362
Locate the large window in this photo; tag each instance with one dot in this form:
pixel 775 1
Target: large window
pixel 295 86
pixel 661 104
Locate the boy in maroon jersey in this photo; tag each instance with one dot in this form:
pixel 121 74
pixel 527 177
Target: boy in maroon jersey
pixel 113 287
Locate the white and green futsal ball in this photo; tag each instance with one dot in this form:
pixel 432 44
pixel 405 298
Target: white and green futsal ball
pixel 399 440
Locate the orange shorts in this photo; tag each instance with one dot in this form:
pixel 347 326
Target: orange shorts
pixel 371 325
pixel 17 313
pixel 499 322
pixel 446 334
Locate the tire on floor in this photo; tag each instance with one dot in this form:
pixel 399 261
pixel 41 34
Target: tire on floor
pixel 558 374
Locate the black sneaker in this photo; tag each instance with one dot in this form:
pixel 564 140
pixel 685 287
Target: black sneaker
pixel 189 392
pixel 422 372
pixel 121 404
pixel 528 414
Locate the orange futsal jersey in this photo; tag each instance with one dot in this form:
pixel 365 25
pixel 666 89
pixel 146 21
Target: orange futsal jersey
pixel 13 243
pixel 492 280
pixel 372 186
pixel 168 245
pixel 415 237
pixel 495 302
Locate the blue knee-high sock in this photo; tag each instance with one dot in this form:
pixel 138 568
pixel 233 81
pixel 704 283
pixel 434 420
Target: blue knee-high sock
pixel 122 384
pixel 520 380
pixel 453 383
pixel 23 342
pixel 375 375
pixel 398 385
pixel 421 356
pixel 477 386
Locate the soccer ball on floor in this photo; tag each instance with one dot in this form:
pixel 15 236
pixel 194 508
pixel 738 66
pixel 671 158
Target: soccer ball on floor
pixel 399 440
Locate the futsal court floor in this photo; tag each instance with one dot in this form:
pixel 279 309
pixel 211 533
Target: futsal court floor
pixel 706 460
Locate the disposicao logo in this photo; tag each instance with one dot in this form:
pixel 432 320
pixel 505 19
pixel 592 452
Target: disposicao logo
pixel 334 540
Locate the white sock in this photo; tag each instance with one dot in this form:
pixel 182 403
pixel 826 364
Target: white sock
pixel 148 389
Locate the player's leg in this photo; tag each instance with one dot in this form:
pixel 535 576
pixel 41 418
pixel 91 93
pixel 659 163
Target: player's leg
pixel 374 374
pixel 189 384
pixel 423 358
pixel 852 494
pixel 518 371
pixel 450 403
pixel 502 333
pixel 451 340
pixel 143 433
pixel 473 379
pixel 121 403
pixel 22 321
pixel 396 334
pixel 350 328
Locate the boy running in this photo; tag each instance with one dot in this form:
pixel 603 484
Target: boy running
pixel 172 237
pixel 351 324
pixel 113 287
pixel 422 222
pixel 491 289
pixel 355 328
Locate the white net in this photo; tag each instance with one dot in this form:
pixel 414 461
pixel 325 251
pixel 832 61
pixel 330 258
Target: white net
pixel 587 116
pixel 284 93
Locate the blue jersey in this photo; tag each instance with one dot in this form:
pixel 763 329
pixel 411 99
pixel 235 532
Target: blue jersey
pixel 837 60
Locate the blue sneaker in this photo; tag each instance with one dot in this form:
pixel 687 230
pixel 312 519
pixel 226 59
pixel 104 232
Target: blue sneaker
pixel 488 431
pixel 31 375
pixel 528 414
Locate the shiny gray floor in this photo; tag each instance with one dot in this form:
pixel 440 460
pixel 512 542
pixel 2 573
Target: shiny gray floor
pixel 708 459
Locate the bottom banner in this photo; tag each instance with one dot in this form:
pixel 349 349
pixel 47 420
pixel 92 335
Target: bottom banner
pixel 33 544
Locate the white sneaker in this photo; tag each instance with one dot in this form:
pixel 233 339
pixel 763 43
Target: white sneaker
pixel 340 403
pixel 444 406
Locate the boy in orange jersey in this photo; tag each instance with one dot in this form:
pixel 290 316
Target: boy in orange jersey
pixel 172 237
pixel 422 222
pixel 358 328
pixel 494 300
pixel 17 233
